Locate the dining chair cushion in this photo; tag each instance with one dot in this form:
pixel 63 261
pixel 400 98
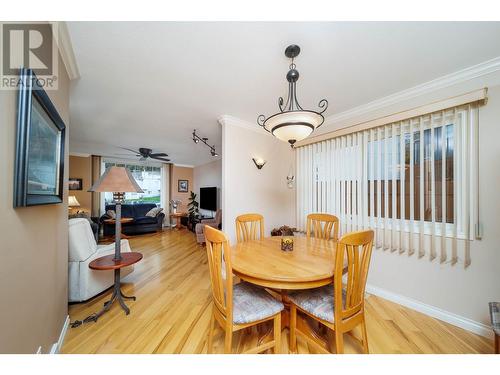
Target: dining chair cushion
pixel 318 302
pixel 251 304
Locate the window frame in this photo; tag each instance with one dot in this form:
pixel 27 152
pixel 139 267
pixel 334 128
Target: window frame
pixel 464 141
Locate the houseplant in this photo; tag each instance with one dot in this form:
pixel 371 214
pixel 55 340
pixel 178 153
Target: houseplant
pixel 193 211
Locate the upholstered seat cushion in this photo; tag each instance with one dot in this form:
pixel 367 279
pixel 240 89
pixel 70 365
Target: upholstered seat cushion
pixel 318 302
pixel 145 220
pixel 251 304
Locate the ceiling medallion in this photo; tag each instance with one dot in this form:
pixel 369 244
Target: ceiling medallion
pixel 292 123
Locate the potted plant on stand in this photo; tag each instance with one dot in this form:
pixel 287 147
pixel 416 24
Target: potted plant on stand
pixel 193 211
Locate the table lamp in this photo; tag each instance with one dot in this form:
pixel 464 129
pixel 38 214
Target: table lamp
pixel 72 202
pixel 118 181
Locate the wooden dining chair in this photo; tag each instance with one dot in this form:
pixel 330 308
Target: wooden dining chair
pixel 249 227
pixel 322 225
pixel 339 308
pixel 237 306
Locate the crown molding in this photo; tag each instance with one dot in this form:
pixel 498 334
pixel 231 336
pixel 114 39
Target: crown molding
pixel 463 75
pixel 65 48
pixel 475 71
pixel 79 154
pixel 477 96
pixel 226 120
pixel 184 165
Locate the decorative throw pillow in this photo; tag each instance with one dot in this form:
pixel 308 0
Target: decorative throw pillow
pixel 111 214
pixel 154 211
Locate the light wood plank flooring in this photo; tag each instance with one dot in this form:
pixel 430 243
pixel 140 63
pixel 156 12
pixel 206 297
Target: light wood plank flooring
pixel 173 307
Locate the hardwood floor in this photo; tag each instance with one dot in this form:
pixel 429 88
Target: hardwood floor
pixel 173 308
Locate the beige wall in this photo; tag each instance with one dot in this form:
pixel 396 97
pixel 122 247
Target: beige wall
pixel 208 175
pixel 81 167
pixel 180 173
pixel 248 189
pixel 33 246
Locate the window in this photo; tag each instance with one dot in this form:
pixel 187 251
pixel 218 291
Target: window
pixel 148 178
pixel 396 162
pixel 408 180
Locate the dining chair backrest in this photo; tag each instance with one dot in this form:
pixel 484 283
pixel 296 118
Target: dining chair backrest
pixel 249 227
pixel 323 226
pixel 354 252
pixel 219 256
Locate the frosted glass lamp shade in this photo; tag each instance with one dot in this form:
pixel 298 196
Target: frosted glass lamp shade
pixel 293 126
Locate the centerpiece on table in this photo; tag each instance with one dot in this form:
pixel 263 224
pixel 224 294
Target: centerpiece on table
pixel 286 234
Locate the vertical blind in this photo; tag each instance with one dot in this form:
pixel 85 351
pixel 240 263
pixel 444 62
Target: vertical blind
pixel 414 182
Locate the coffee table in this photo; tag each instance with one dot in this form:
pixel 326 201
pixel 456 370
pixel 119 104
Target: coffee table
pixel 123 220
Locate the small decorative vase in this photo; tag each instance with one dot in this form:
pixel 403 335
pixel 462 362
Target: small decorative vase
pixel 174 210
pixel 287 243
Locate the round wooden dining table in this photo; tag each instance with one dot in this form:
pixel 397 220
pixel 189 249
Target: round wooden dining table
pixel 262 262
pixel 309 265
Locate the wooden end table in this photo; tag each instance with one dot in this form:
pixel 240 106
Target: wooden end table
pixel 177 216
pixel 123 220
pixel 109 263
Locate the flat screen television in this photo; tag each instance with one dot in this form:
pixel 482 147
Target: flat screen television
pixel 208 198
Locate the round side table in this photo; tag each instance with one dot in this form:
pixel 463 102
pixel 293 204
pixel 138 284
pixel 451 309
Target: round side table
pixel 108 262
pixel 177 216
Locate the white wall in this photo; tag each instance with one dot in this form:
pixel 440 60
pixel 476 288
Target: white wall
pixel 458 294
pixel 208 175
pixel 247 189
pixel 454 292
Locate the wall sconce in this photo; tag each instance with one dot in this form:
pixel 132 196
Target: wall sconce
pixel 290 180
pixel 259 163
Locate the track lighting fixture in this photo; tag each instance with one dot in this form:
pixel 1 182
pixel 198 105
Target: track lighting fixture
pixel 197 139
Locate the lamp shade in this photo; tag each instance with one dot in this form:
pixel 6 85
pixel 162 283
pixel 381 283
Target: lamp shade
pixel 73 202
pixel 116 179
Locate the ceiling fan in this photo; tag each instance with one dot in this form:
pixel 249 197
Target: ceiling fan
pixel 147 153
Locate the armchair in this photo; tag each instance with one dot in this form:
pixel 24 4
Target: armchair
pixel 214 223
pixel 83 282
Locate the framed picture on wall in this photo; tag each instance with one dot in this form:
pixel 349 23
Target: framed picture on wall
pixel 75 184
pixel 182 186
pixel 39 165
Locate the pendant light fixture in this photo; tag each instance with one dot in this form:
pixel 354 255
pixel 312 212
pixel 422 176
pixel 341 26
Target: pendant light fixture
pixel 292 123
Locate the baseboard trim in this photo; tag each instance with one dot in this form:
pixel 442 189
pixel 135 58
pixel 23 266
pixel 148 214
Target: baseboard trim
pixel 435 312
pixel 56 347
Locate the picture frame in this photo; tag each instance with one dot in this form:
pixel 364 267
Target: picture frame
pixel 40 146
pixel 75 184
pixel 183 186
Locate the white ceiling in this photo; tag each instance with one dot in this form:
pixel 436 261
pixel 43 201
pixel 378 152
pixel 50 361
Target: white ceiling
pixel 149 84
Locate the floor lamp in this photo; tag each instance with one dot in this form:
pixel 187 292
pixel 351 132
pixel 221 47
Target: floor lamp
pixel 118 181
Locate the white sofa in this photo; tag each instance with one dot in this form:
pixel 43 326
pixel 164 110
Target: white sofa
pixel 85 283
